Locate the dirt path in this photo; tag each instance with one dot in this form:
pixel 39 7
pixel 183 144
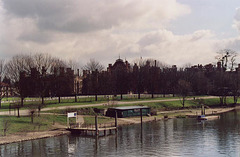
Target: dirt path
pixel 26 112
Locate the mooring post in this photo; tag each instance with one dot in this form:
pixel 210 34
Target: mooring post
pixel 204 110
pixel 116 116
pixel 141 116
pixel 68 122
pixel 96 124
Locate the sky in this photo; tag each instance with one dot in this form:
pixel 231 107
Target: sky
pixel 172 31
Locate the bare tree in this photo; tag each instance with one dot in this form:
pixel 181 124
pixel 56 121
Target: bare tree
pixel 6 125
pixel 2 85
pixel 42 60
pixel 184 88
pixel 56 64
pixel 228 58
pixel 73 64
pixel 233 60
pixel 93 65
pixel 156 63
pixel 17 64
pixel 24 63
pixel 152 62
pixel 139 62
pixel 32 111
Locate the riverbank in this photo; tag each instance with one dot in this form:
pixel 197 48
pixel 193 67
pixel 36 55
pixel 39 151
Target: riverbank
pixel 19 137
pixel 185 113
pixel 60 129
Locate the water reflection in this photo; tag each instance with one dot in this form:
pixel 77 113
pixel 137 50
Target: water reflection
pixel 174 137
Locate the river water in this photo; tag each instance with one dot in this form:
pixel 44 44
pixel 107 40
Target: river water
pixel 173 137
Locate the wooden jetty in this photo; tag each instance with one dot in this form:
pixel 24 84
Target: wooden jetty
pixel 96 130
pixel 93 131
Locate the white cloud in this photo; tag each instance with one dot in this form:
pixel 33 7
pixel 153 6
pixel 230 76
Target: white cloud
pixel 91 15
pixel 237 19
pixel 80 29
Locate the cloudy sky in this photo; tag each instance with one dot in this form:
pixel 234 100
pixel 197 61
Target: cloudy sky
pixel 172 31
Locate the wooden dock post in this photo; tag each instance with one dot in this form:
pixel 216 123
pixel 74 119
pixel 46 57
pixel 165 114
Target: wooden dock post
pixel 141 117
pixel 96 125
pixel 116 123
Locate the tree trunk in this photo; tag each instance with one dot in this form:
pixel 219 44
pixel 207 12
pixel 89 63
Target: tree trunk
pixel 42 100
pixel 59 99
pixel 0 103
pixel 225 100
pixel 39 110
pixel 139 96
pixel 152 95
pixel 76 98
pixel 235 98
pixel 18 112
pixel 4 132
pixel 96 97
pixel 31 117
pixel 22 101
pixel 183 102
pixel 121 96
pixel 221 100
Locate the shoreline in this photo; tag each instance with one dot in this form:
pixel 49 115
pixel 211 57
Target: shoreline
pixel 20 137
pixel 189 113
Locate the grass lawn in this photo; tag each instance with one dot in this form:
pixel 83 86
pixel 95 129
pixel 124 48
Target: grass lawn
pixel 166 105
pixel 157 105
pixel 23 124
pixel 69 102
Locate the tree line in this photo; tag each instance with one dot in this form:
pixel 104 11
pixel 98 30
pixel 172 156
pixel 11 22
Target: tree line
pixel 35 75
pixel 143 76
pixel 152 77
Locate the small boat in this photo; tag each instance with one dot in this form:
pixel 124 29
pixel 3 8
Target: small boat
pixel 203 117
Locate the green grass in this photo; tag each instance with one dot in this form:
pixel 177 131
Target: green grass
pixel 23 124
pixel 91 100
pixel 160 106
pixel 5 106
pixel 69 102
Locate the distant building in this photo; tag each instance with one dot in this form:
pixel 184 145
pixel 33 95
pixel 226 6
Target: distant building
pixel 119 65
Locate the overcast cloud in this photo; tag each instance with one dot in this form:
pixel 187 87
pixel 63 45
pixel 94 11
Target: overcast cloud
pixel 80 30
